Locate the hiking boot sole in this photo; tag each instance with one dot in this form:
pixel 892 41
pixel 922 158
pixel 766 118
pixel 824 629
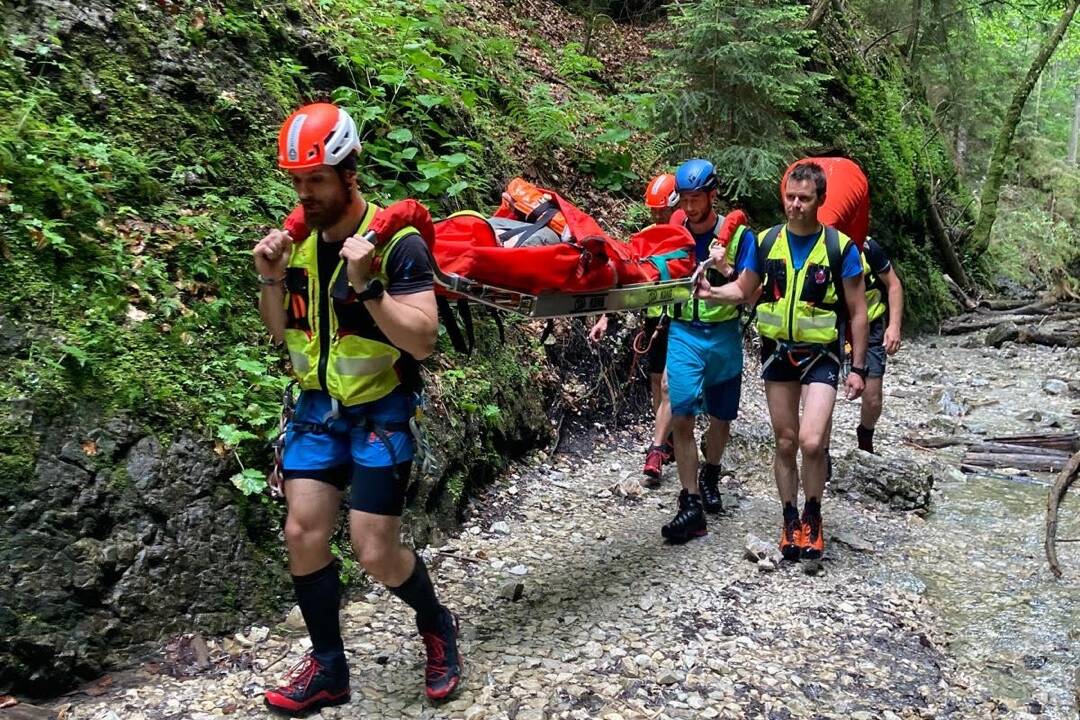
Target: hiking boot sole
pixel 791 553
pixel 810 554
pixel 322 700
pixel 681 539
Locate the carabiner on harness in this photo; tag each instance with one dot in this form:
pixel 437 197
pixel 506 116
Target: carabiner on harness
pixel 276 479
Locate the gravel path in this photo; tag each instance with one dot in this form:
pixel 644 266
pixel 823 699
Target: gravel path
pixel 610 623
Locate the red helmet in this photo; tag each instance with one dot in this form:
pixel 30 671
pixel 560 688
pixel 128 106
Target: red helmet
pixel 317 134
pixel 661 192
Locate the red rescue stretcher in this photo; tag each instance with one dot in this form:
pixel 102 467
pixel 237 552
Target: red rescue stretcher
pixel 585 274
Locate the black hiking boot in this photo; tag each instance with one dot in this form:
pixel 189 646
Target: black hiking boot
pixel 708 486
pixel 310 686
pixel 688 523
pixel 442 674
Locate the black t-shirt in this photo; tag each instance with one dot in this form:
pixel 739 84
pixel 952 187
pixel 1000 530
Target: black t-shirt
pixel 408 270
pixel 876 258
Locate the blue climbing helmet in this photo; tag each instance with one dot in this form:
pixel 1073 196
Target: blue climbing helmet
pixel 695 175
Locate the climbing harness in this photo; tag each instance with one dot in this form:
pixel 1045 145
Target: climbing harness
pixel 802 356
pixel 425 457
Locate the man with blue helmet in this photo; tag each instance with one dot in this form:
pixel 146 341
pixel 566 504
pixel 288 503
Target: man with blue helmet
pixel 704 357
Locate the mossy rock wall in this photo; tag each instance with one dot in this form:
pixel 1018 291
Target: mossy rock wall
pixel 136 172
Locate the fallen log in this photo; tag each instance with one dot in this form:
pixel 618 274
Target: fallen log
pixel 962 297
pixel 999 305
pixel 1068 442
pixel 983 321
pixel 1032 337
pixel 936 441
pixel 1016 449
pixel 1053 503
pixel 1022 461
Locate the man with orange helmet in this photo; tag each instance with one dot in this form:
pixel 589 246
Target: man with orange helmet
pixel 662 199
pixel 356 318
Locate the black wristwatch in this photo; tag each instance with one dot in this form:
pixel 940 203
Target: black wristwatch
pixel 860 371
pixel 373 291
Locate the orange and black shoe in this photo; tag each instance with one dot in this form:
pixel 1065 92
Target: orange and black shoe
pixel 654 462
pixel 442 675
pixel 813 537
pixel 310 685
pixel 792 539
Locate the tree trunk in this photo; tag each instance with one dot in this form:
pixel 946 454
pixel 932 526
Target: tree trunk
pixel 944 246
pixel 988 199
pixel 1075 132
pixel 913 38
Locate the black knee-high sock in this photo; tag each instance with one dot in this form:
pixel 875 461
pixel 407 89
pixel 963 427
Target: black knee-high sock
pixel 319 598
pixel 791 513
pixel 418 593
pixel 865 437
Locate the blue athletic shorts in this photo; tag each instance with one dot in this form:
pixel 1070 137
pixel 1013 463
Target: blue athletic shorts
pixel 341 451
pixel 705 361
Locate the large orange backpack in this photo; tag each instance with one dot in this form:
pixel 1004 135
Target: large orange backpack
pixel 528 203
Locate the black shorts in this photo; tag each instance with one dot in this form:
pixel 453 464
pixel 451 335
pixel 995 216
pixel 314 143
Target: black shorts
pixel 823 370
pixel 875 349
pixel 656 355
pixel 376 490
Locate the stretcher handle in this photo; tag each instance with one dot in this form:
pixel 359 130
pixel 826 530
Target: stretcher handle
pixel 707 264
pixel 452 281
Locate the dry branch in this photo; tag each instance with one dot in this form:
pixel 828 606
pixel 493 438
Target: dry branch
pixel 1053 502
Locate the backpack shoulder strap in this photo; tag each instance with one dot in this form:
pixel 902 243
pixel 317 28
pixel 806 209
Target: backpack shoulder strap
pixel 766 245
pixel 836 267
pixel 453 330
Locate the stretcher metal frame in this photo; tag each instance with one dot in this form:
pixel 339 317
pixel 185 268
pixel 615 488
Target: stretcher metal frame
pixel 553 305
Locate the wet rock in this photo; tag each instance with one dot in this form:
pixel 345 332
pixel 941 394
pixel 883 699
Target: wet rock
pixel 949 402
pixel 295 619
pixel 853 541
pixel 1053 386
pixel 1002 333
pixel 144 535
pixel 902 481
pixel 667 676
pixel 512 590
pixel 500 528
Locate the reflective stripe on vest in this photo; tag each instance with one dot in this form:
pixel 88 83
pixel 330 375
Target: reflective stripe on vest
pixel 715 313
pixel 357 369
pixel 801 306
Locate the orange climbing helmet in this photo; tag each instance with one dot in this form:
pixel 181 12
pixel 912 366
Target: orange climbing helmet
pixel 661 192
pixel 316 134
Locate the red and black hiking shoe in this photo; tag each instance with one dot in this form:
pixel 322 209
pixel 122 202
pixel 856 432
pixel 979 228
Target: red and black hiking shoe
pixel 669 453
pixel 443 672
pixel 654 462
pixel 310 686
